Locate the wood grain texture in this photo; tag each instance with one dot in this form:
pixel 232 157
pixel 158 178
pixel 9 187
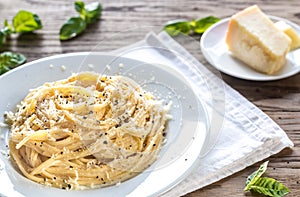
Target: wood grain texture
pixel 126 21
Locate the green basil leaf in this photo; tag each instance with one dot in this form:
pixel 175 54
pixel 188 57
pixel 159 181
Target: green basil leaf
pixel 173 28
pixel 8 27
pixel 269 187
pixel 4 32
pixel 79 7
pixel 10 60
pixel 88 12
pixel 73 27
pixel 2 38
pixel 255 176
pixel 201 25
pixel 92 12
pixel 25 21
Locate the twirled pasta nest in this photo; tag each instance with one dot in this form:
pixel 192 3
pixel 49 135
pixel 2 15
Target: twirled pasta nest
pixel 86 131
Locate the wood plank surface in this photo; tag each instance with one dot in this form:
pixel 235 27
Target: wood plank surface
pixel 127 21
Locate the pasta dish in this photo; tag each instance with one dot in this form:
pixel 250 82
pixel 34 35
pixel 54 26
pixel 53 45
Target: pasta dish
pixel 86 131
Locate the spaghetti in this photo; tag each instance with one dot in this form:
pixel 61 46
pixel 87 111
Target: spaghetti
pixel 86 131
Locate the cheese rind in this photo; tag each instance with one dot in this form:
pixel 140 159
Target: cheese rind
pixel 290 32
pixel 253 38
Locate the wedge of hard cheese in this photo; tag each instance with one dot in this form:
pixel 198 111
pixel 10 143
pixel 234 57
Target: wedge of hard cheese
pixel 290 32
pixel 253 38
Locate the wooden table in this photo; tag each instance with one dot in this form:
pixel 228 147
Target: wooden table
pixel 279 99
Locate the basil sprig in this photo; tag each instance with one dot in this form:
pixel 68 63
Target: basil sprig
pixel 186 27
pixel 88 14
pixel 23 22
pixel 265 185
pixel 10 60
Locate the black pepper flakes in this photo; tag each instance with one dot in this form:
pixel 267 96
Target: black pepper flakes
pixel 104 142
pixel 69 186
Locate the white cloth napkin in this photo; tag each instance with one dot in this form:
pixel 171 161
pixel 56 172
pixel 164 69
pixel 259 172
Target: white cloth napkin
pixel 243 134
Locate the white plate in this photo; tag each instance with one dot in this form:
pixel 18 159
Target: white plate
pixel 215 50
pixel 187 130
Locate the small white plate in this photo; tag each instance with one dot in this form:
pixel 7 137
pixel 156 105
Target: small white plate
pixel 186 131
pixel 215 50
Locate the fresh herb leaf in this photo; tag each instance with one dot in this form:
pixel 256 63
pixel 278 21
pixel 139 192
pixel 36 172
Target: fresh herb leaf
pixel 3 34
pixel 2 38
pixel 255 175
pixel 23 22
pixel 186 27
pixel 76 25
pixel 6 30
pixel 79 7
pixel 10 60
pixel 26 21
pixel 179 26
pixel 8 27
pixel 201 25
pixel 72 28
pixel 92 12
pixel 265 185
pixel 270 187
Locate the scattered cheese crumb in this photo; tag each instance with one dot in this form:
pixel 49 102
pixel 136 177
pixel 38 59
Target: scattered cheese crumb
pixel 51 66
pixel 2 124
pixel 63 68
pixel 121 65
pixel 91 66
pixel 108 67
